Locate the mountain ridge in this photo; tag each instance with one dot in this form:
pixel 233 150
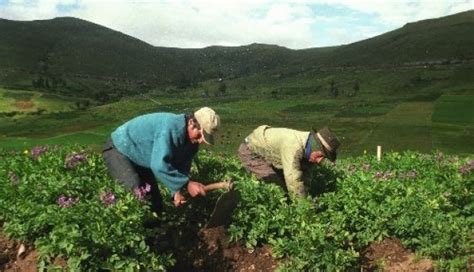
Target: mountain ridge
pixel 81 58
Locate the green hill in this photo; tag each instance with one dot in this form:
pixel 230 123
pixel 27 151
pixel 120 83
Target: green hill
pixel 411 88
pixel 79 58
pixel 433 41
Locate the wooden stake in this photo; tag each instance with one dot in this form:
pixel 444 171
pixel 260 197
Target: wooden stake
pixel 379 152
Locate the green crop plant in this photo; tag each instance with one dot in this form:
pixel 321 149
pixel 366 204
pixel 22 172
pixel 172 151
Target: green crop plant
pixel 62 200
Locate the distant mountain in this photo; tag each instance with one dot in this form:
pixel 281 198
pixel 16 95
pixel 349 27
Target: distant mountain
pixel 80 58
pixel 449 38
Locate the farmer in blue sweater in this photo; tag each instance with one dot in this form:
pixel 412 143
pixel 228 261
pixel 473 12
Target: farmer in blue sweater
pixel 160 146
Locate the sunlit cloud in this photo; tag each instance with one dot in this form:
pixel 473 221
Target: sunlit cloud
pixel 196 24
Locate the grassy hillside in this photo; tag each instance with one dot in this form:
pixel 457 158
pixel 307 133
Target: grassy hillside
pixel 411 88
pixel 79 58
pixel 433 41
pixel 419 109
pixel 18 103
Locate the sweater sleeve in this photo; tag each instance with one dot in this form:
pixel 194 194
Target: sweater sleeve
pixel 162 167
pixel 292 171
pixel 186 167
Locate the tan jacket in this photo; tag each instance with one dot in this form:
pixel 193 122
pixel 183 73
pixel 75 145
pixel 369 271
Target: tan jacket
pixel 285 149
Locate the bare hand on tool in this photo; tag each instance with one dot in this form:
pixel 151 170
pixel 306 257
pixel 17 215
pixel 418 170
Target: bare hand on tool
pixel 196 188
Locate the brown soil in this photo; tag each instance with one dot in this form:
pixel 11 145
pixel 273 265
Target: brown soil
pixel 24 104
pixel 9 262
pixel 210 250
pixel 390 255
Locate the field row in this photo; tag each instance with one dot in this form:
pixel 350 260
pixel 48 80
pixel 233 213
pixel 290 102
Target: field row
pixel 446 124
pixel 62 200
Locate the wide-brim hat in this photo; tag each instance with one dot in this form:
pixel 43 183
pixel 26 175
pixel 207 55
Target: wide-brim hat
pixel 209 122
pixel 329 142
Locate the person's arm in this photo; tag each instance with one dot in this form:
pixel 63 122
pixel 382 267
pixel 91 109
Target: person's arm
pixel 194 188
pixel 162 167
pixel 293 172
pixel 185 165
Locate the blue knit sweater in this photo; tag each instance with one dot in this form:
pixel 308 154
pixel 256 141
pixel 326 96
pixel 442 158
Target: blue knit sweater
pixel 158 141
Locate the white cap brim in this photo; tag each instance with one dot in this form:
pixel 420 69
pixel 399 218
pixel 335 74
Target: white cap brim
pixel 207 138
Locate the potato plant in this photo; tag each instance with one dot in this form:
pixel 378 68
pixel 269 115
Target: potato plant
pixel 427 201
pixel 62 200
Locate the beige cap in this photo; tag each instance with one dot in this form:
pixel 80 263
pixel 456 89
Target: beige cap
pixel 209 122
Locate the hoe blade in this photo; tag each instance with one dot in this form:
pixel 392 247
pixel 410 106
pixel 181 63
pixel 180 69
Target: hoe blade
pixel 222 213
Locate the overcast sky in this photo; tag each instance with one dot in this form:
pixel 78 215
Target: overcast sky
pixel 197 24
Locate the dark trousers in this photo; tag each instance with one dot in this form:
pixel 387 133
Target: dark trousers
pixel 262 169
pixel 131 175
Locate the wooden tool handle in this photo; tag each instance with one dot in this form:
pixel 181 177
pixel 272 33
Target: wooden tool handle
pixel 226 185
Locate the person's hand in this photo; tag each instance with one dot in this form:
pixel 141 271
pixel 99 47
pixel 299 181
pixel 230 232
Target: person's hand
pixel 178 199
pixel 196 188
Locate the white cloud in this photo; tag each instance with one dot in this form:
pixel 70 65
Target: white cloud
pixel 203 24
pixel 398 12
pixel 346 36
pixel 194 23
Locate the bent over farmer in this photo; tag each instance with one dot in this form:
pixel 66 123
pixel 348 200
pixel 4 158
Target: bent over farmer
pixel 160 146
pixel 285 156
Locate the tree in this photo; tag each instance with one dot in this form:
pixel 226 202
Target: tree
pixel 82 105
pixel 222 88
pixel 274 93
pixel 102 97
pixel 333 89
pixel 356 86
pixel 38 83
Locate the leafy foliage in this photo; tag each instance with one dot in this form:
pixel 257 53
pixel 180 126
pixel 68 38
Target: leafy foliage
pixel 426 201
pixel 56 197
pixel 62 199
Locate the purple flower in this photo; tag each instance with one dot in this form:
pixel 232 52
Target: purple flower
pixel 147 187
pixel 464 169
pixel 387 175
pixel 66 202
pixel 72 160
pixel 107 198
pixel 378 174
pixel 37 151
pixel 366 167
pixel 140 192
pixel 15 180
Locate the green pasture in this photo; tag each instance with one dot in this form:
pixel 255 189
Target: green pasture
pixel 83 138
pixel 455 109
pixel 407 125
pixel 416 109
pixel 23 102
